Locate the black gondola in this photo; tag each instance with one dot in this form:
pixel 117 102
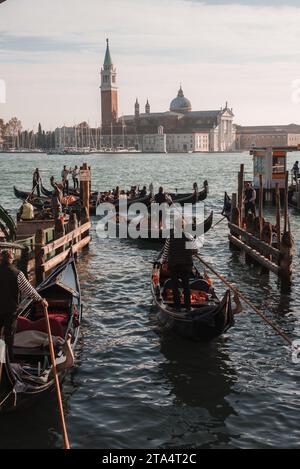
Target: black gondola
pixel 46 192
pixel 29 376
pixel 191 198
pixel 208 318
pixel 39 202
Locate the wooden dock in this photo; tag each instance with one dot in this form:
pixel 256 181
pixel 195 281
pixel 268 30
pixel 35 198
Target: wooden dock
pixel 254 235
pixel 41 245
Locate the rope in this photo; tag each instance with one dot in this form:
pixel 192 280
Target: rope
pixel 248 302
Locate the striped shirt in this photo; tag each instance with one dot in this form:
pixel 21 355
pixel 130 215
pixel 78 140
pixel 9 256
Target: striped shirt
pixel 190 240
pixel 26 290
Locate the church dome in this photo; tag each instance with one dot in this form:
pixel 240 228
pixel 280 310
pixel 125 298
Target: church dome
pixel 180 103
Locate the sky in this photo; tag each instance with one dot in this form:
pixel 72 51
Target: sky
pixel 243 52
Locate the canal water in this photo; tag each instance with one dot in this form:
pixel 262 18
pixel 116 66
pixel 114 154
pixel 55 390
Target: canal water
pixel 135 386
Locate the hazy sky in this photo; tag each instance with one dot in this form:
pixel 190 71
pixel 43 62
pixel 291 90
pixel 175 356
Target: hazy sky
pixel 246 52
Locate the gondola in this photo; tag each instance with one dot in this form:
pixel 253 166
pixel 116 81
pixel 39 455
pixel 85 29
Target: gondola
pixel 48 193
pixel 191 198
pixel 138 199
pixel 209 316
pixel 39 202
pixel 24 195
pixel 43 202
pixel 160 237
pixel 7 225
pixel 29 376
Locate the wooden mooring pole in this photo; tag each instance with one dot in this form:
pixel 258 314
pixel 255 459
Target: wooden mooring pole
pixel 85 181
pixel 278 216
pixel 286 245
pixel 39 256
pixel 241 194
pixel 234 218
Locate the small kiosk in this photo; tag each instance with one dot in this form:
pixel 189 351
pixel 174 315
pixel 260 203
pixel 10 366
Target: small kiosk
pixel 271 163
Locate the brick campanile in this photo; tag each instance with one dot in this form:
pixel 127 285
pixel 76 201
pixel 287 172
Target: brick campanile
pixel 109 91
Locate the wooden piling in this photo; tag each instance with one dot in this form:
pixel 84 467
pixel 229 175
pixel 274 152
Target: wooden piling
pixel 278 216
pixel 85 198
pixel 241 193
pixel 59 231
pixel 286 257
pixel 39 256
pixel 24 260
pixel 234 218
pixel 286 202
pixel 261 203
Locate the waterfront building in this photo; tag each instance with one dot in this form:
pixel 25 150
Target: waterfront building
pixel 248 137
pixel 180 129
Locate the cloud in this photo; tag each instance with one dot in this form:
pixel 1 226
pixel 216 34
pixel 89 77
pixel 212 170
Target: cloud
pixel 51 52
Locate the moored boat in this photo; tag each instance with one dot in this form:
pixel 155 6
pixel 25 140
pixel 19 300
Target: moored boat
pixel 30 375
pixel 209 316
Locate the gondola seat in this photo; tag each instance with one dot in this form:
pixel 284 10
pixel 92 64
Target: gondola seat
pixel 57 325
pixel 200 285
pixel 168 286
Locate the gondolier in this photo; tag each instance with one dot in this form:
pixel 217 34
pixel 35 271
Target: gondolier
pixel 56 205
pixel 36 182
pixel 249 199
pixel 65 180
pixel 295 170
pixel 160 198
pixel 13 285
pixel 75 177
pixel 178 254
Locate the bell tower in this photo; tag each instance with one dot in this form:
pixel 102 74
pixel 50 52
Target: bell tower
pixel 109 90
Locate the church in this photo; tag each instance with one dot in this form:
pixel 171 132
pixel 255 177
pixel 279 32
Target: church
pixel 179 129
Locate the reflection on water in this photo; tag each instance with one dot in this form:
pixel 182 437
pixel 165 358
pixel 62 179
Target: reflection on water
pixel 135 387
pixel 201 376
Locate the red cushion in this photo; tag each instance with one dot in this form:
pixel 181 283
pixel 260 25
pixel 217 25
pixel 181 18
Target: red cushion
pixel 59 315
pixel 25 324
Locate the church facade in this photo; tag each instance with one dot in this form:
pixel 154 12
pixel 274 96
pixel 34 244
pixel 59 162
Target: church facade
pixel 179 129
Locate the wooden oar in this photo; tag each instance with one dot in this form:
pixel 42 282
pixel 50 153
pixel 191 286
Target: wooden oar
pixel 223 218
pixel 57 385
pixel 248 302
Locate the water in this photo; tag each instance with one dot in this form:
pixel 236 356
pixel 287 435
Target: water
pixel 136 387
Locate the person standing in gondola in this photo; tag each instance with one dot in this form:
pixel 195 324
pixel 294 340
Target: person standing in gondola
pixel 160 198
pixel 178 255
pixel 13 286
pixel 36 182
pixel 75 177
pixel 249 199
pixel 56 205
pixel 143 192
pixel 295 170
pixel 65 180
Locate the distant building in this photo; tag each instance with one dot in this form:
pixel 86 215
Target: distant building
pixel 268 135
pixel 185 130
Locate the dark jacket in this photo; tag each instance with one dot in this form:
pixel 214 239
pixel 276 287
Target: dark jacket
pixel 9 290
pixel 178 253
pixel 160 198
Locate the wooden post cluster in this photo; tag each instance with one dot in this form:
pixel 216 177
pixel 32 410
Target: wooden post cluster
pixel 256 240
